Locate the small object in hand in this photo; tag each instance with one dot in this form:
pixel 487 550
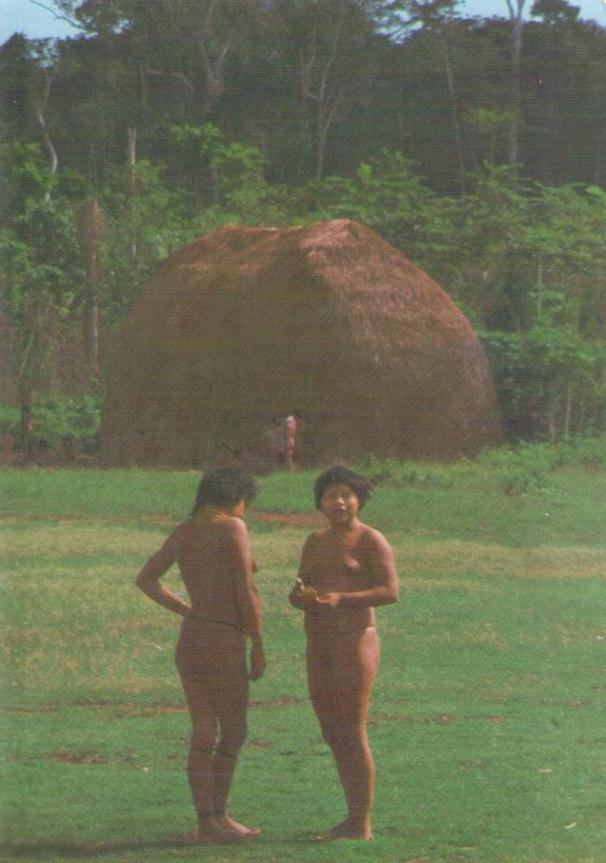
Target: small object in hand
pixel 308 592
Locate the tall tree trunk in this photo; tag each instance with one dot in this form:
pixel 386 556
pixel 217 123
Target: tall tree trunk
pixel 516 12
pixel 325 121
pixel 455 118
pixel 551 421
pixel 568 412
pixel 91 333
pixel 132 187
pixel 321 106
pixel 213 60
pixel 91 232
pixel 41 117
pixel 27 447
pixel 214 85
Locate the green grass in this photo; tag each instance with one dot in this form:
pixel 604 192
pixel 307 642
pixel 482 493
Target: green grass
pixel 488 715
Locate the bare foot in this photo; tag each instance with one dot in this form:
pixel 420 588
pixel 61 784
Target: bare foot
pixel 342 825
pixel 348 830
pixel 228 823
pixel 212 832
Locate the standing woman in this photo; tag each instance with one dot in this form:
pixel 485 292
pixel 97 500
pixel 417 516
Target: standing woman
pixel 213 553
pixel 346 569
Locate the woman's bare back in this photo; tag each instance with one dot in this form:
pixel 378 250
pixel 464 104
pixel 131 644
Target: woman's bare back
pixel 215 562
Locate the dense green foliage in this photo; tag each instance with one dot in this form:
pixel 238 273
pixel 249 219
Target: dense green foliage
pixel 487 715
pixel 55 418
pixel 484 167
pixel 528 469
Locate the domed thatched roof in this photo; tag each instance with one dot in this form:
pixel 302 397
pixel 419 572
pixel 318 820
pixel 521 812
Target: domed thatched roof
pixel 248 323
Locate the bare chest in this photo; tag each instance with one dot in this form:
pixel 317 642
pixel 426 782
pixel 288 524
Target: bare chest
pixel 340 566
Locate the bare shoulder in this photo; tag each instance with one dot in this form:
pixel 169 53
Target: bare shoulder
pixel 315 538
pixel 235 526
pixel 373 539
pixel 180 531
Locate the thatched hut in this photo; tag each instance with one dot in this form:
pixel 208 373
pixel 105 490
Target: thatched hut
pixel 248 323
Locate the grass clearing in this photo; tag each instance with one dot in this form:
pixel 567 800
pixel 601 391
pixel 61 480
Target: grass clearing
pixel 488 715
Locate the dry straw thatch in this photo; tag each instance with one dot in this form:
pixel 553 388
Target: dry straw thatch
pixel 248 323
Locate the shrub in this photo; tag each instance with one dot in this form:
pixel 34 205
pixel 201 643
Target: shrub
pixel 79 417
pixel 55 417
pixel 522 469
pixel 589 451
pixel 407 473
pixel 9 420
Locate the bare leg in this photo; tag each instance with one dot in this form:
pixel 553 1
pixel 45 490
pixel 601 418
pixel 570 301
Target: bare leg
pixel 356 664
pixel 199 764
pixel 202 743
pixel 200 777
pixel 224 765
pixel 230 704
pixel 217 692
pixel 341 675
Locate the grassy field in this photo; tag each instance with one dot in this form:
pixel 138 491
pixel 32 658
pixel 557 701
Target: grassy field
pixel 487 723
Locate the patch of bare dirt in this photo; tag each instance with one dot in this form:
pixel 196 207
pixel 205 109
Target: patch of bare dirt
pixel 132 711
pixel 72 758
pixel 440 719
pixel 291 519
pixel 154 518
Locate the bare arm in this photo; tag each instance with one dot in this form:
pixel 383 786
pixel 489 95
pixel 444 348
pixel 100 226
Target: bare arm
pixel 297 596
pixel 247 598
pixel 385 588
pixel 148 580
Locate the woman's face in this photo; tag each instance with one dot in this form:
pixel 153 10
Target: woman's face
pixel 340 504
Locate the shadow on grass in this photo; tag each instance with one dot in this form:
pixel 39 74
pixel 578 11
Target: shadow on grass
pixel 87 851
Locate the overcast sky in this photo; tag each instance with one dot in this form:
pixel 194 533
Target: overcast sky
pixel 37 23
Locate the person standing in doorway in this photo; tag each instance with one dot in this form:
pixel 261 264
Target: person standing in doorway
pixel 290 440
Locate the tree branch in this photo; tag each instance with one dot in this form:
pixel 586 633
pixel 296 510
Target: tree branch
pixel 59 17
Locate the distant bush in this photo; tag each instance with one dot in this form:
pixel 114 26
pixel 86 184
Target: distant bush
pixel 521 469
pixel 79 417
pixel 589 451
pixel 526 468
pixel 409 473
pixel 517 470
pixel 55 417
pixel 9 420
